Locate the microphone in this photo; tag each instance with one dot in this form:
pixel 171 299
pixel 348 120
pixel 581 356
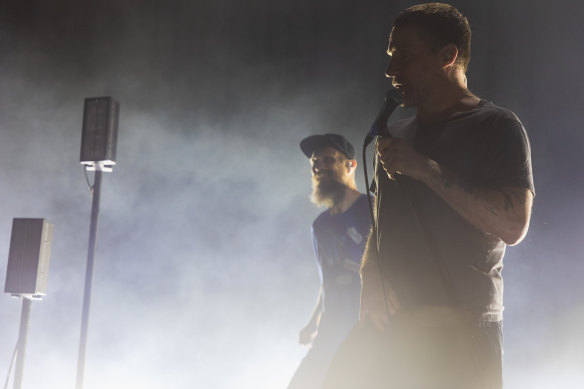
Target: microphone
pixel 393 98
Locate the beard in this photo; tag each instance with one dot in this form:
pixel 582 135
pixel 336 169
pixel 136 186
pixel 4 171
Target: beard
pixel 327 191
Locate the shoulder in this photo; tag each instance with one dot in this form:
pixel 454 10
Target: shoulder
pixel 321 220
pixel 506 125
pixel 504 147
pixel 361 211
pixel 360 203
pixel 497 115
pixel 488 123
pixel 363 200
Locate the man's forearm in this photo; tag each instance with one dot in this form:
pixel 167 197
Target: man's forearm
pixel 503 213
pixel 315 318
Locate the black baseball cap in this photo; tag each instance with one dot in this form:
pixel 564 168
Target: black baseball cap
pixel 310 144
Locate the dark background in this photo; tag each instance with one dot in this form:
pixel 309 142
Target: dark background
pixel 205 270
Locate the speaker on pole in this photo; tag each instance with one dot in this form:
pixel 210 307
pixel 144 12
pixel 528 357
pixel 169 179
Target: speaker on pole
pixel 29 257
pixel 26 275
pixel 98 153
pixel 100 133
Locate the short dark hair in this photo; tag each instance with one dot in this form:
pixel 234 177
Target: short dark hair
pixel 440 25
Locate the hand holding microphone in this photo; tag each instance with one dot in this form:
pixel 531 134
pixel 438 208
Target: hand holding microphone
pixel 395 155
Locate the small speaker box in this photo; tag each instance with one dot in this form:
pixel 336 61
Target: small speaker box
pixel 29 257
pixel 100 131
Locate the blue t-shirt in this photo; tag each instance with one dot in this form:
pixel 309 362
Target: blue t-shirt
pixel 339 242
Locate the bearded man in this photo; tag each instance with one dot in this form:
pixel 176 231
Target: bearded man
pixel 339 236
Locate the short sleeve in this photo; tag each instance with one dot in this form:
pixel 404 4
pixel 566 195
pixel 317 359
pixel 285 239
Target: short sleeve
pixel 509 156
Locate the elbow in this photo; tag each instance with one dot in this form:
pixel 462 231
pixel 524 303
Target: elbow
pixel 511 239
pixel 518 221
pixel 516 233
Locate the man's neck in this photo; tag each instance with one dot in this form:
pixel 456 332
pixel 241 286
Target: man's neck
pixel 450 97
pixel 351 195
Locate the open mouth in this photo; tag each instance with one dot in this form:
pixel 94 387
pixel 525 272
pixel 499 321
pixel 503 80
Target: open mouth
pixel 323 175
pixel 399 86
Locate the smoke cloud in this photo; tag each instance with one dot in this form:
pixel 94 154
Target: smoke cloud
pixel 205 270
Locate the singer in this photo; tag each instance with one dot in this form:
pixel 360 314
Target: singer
pixel 454 187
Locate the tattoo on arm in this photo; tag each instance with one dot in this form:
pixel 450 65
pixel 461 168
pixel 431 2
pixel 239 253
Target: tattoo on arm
pixel 508 202
pixel 510 199
pixel 519 196
pixel 493 201
pixel 492 205
pixel 512 196
pixel 450 181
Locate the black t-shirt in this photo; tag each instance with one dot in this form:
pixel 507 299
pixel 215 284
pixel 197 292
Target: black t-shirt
pixel 424 245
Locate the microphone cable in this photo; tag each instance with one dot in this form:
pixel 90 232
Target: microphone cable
pixel 393 99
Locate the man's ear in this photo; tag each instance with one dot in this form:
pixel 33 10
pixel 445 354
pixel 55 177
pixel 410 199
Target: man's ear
pixel 351 164
pixel 448 54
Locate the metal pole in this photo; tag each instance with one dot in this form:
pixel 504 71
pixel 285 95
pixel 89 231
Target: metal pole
pixel 89 277
pixel 24 319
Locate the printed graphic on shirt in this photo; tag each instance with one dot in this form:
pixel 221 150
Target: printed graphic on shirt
pixel 351 265
pixel 354 235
